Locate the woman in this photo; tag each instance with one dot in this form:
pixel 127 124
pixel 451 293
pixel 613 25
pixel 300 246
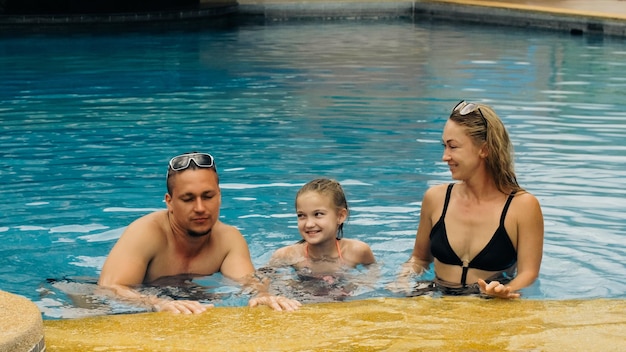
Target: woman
pixel 484 232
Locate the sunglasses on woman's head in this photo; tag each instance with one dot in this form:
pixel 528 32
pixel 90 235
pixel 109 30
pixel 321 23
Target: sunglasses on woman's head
pixel 182 162
pixel 465 108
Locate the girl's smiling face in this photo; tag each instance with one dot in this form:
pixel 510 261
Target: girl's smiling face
pixel 318 217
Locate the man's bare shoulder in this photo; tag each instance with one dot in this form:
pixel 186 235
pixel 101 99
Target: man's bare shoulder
pixel 155 221
pixel 227 237
pixel 225 232
pixel 153 225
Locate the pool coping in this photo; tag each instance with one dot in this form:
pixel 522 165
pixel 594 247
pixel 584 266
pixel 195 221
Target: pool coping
pixel 499 13
pixel 21 325
pixel 469 11
pixel 521 15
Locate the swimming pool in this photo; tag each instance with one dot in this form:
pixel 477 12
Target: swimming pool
pixel 89 120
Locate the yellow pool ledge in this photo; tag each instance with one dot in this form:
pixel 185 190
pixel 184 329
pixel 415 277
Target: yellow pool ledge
pixel 21 325
pixel 384 324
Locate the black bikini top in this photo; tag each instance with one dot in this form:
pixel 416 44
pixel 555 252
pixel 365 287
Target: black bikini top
pixel 499 254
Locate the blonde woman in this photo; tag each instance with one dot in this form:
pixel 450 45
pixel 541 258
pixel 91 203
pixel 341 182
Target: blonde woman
pixel 484 232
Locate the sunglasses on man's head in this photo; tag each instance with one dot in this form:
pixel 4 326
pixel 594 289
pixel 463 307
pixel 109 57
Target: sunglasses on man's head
pixel 183 161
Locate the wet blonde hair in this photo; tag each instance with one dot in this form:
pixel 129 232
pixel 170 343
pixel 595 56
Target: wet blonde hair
pixel 484 127
pixel 330 188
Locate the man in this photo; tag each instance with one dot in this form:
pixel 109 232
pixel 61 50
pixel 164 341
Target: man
pixel 186 239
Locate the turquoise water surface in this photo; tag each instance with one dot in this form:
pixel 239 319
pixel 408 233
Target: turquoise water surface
pixel 88 122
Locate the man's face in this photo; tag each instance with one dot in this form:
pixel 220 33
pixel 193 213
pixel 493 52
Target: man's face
pixel 195 201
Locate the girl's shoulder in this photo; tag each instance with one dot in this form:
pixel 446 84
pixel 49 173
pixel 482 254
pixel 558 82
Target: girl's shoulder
pixel 352 242
pixel 292 248
pixel 357 251
pixel 287 254
pixel 354 245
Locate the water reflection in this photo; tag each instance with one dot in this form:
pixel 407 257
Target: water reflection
pixel 81 296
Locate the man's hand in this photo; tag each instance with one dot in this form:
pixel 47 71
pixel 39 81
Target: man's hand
pixel 279 303
pixel 181 307
pixel 496 289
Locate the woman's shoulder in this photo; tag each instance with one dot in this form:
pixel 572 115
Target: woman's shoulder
pixel 526 208
pixel 435 194
pixel 525 198
pixel 438 189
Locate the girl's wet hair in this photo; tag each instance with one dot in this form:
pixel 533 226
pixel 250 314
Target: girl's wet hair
pixel 484 126
pixel 330 188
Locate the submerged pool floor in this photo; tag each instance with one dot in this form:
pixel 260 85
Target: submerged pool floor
pixel 412 324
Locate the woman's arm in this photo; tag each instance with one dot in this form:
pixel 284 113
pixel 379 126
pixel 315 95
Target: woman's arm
pixel 530 233
pixel 420 257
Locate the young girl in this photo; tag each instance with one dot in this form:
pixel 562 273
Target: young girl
pixel 322 209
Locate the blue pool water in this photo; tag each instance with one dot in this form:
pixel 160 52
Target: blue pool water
pixel 89 121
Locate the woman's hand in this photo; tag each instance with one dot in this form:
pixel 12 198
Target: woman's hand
pixel 496 289
pixel 405 281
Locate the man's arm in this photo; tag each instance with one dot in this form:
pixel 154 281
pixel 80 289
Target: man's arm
pixel 237 265
pixel 127 263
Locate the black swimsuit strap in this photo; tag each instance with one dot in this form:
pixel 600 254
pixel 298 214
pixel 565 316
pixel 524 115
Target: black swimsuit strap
pixel 506 207
pixel 464 276
pixel 445 204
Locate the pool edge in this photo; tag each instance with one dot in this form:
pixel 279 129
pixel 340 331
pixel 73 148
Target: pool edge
pixel 21 325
